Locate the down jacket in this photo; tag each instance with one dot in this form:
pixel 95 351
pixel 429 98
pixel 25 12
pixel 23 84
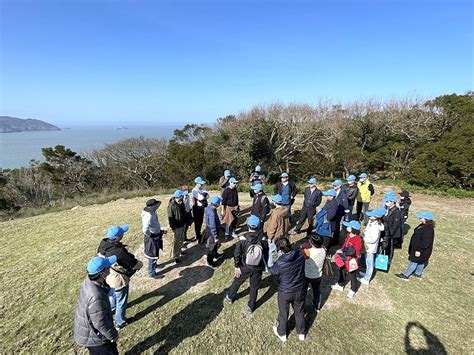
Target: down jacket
pixel 289 271
pixel 93 325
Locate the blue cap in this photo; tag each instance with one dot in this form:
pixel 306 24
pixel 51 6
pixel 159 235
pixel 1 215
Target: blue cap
pixel 378 212
pixel 253 221
pixel 363 176
pixel 426 215
pixel 336 183
pixel 233 180
pixel 283 175
pixel 97 264
pixel 185 192
pixel 390 198
pixel 277 199
pixel 258 168
pixel 330 192
pixel 257 187
pixel 226 173
pixel 215 200
pixel 178 194
pixel 352 224
pixel 199 181
pixel 389 193
pixel 312 181
pixel 116 231
pixel 351 178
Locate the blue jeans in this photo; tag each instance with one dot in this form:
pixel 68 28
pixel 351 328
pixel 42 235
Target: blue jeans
pixel 118 300
pixel 152 267
pixel 229 230
pixel 369 266
pixel 272 249
pixel 414 267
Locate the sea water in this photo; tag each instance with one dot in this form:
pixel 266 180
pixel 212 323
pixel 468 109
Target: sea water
pixel 17 149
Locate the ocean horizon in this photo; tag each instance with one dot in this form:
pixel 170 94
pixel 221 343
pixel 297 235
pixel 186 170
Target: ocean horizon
pixel 19 148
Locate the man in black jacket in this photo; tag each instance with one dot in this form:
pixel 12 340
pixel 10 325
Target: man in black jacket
pixel 342 209
pixel 177 220
pixel 312 199
pixel 230 208
pixel 352 191
pixel 287 190
pixel 249 261
pixel 260 205
pixel 392 221
pixel 289 272
pixel 121 272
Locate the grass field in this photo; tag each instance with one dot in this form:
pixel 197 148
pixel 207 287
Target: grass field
pixel 44 260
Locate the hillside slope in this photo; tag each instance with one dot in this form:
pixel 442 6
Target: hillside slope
pixel 44 260
pixel 12 124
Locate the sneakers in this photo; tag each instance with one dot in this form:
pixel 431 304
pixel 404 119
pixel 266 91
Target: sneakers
pixel 249 311
pixel 156 276
pixel 227 299
pixel 351 294
pixel 212 266
pixel 235 235
pixel 361 273
pixel 301 337
pixel 337 287
pixel 363 281
pixel 281 337
pixel 402 276
pixel 124 324
pixel 419 277
pixel 177 261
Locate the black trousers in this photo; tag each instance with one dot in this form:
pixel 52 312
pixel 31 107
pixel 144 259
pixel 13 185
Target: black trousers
pixel 105 349
pixel 198 214
pixel 296 300
pixel 255 279
pixel 306 213
pixel 316 287
pixel 337 230
pixel 212 253
pixel 344 275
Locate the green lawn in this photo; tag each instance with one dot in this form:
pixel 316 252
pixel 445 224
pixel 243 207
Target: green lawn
pixel 44 264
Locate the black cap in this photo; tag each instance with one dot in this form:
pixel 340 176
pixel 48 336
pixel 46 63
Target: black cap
pixel 152 202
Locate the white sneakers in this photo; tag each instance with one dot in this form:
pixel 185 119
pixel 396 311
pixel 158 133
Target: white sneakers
pixel 301 337
pixel 337 287
pixel 275 331
pixel 363 281
pixel 351 294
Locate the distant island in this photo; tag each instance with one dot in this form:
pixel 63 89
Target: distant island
pixel 12 124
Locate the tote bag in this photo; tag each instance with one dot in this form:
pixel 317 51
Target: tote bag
pixel 381 262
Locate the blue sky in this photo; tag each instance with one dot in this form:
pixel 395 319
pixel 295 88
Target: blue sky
pixel 84 61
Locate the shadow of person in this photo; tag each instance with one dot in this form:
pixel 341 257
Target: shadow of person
pixel 189 277
pixel 434 344
pixel 269 282
pixel 188 322
pixel 193 254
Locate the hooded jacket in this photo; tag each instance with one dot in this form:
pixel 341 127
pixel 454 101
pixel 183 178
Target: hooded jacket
pixel 289 271
pixel 176 214
pixel 240 252
pixel 277 225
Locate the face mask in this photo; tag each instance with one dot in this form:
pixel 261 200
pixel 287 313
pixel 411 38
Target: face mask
pixel 349 230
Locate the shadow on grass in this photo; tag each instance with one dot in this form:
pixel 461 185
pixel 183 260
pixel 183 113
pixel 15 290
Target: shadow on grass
pixel 434 344
pixel 188 322
pixel 269 282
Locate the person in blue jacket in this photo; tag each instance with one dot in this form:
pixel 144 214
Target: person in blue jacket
pixel 342 209
pixel 213 224
pixel 289 272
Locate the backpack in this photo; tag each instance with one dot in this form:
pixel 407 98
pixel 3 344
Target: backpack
pixel 254 255
pixel 323 226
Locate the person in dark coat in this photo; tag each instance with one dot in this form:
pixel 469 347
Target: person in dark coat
pixel 342 209
pixel 421 246
pixel 331 207
pixel 392 226
pixel 312 199
pixel 260 205
pixel 213 225
pixel 152 236
pixel 177 221
pixel 287 190
pixel 405 203
pixel 230 208
pixel 352 191
pixel 93 324
pixel 289 272
pixel 257 177
pixel 249 261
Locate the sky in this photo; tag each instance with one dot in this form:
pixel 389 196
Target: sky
pixel 101 61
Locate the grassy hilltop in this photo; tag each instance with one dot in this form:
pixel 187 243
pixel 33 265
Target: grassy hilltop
pixel 44 260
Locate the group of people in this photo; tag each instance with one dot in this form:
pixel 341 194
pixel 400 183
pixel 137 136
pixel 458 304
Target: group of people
pixel 264 248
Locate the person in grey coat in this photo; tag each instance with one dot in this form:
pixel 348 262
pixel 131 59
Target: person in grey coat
pixel 93 325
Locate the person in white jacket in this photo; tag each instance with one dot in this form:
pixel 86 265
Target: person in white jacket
pixel 371 239
pixel 153 236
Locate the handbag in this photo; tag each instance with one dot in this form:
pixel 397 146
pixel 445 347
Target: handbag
pixel 381 262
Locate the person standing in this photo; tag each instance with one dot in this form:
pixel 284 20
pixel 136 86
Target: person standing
pixel 342 209
pixel 366 191
pixel 224 180
pixel 120 273
pixel 199 203
pixel 312 199
pixel 276 227
pixel 289 273
pixel 326 218
pixel 314 255
pixel 346 258
pixel 421 246
pixel 260 205
pixel 392 226
pixel 230 208
pixel 249 262
pixel 287 190
pixel 213 224
pixel 177 222
pixel 93 324
pixel 152 236
pixel 405 203
pixel 189 214
pixel 352 191
pixel 257 177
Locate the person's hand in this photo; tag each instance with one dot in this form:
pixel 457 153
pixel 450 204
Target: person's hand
pixel 237 272
pixel 165 231
pixel 346 211
pixel 417 254
pixel 338 251
pixel 116 338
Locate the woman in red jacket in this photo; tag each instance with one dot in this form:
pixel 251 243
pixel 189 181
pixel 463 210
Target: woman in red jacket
pixel 347 258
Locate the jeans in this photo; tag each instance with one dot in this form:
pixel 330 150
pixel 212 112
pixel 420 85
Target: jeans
pixel 296 300
pixel 306 213
pixel 229 230
pixel 104 349
pixel 118 300
pixel 152 267
pixel 369 266
pixel 417 268
pixel 255 279
pixel 316 287
pixel 271 251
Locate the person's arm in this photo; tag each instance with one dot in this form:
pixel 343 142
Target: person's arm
pixel 264 208
pixel 371 189
pixel 331 211
pixel 275 270
pixel 271 227
pixel 171 218
pixel 97 311
pixel 238 254
pixel 294 190
pixel 426 240
pixel 319 198
pixel 394 224
pixel 146 220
